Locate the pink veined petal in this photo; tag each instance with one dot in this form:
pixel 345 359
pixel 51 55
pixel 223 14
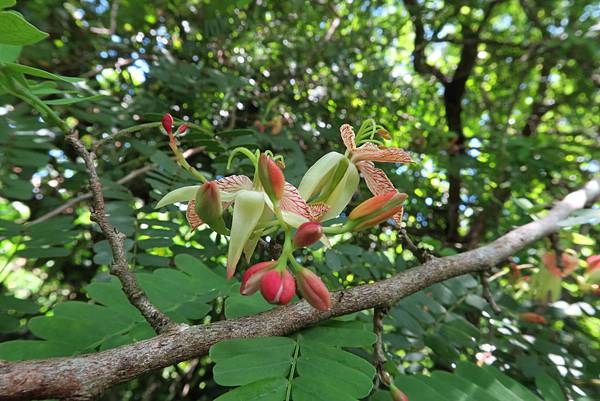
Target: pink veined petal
pixel 234 183
pixel 318 210
pixel 292 201
pixel 376 179
pixel 378 182
pixel 347 134
pixel 192 217
pixel 372 152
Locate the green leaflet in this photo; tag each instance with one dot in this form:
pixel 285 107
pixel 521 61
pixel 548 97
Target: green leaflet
pixel 549 388
pixel 7 3
pixel 263 365
pixel 468 383
pixel 9 53
pixel 14 30
pixel 76 327
pixel 36 72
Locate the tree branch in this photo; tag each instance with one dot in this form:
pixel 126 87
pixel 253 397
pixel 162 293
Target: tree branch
pixel 419 58
pixel 119 267
pixel 84 377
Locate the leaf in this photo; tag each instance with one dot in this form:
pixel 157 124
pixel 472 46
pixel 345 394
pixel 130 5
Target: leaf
pixel 9 53
pixel 549 388
pixel 14 30
pixel 272 389
pixel 72 100
pixel 318 368
pixel 7 3
pixel 244 361
pixel 36 72
pixel 468 383
pixel 237 305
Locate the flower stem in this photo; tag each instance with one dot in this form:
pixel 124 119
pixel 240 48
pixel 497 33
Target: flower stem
pixel 183 163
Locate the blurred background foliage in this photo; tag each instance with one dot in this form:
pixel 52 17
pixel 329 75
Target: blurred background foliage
pixel 497 102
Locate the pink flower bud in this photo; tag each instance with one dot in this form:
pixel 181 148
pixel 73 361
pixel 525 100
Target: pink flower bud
pixel 271 177
pixel 167 123
pixel 252 276
pixel 377 209
pixel 182 128
pixel 308 233
pixel 278 287
pixel 397 394
pixel 313 290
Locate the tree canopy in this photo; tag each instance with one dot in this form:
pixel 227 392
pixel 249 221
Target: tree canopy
pixel 494 104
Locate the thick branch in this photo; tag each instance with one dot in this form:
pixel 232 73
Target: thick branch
pixel 83 377
pixel 119 267
pixel 419 58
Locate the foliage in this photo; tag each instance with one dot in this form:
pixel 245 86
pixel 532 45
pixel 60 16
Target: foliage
pixel 285 76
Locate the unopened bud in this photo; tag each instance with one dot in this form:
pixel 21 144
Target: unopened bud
pixel 182 129
pixel 314 290
pixel 308 233
pixel 278 287
pixel 252 276
pixel 209 208
pixel 377 209
pixel 271 177
pixel 167 123
pixel 397 394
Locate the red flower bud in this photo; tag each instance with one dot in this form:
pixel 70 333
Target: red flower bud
pixel 167 123
pixel 397 394
pixel 313 290
pixel 377 209
pixel 308 233
pixel 278 287
pixel 252 276
pixel 182 128
pixel 271 177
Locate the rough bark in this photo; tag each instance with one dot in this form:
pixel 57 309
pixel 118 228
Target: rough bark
pixel 119 266
pixel 84 377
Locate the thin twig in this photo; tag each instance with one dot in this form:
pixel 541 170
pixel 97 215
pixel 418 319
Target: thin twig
pixel 379 358
pixel 421 254
pixel 555 242
pixel 487 292
pixel 119 267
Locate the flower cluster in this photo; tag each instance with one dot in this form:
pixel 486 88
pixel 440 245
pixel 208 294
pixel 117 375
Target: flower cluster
pixel 268 204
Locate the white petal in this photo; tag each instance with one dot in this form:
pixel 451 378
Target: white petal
pixel 182 194
pixel 314 178
pixel 247 209
pixel 342 194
